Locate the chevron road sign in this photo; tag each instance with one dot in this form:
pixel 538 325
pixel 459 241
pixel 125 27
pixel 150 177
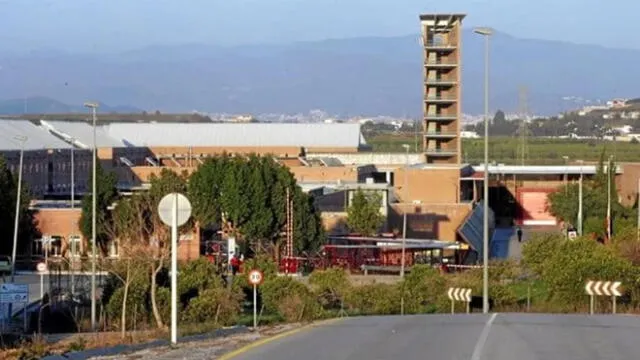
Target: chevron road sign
pixel 459 294
pixel 603 288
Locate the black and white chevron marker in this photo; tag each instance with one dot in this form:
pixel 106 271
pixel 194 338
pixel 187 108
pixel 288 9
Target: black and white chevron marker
pixel 459 294
pixel 603 288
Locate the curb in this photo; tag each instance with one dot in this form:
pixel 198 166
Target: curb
pixel 260 342
pixel 121 349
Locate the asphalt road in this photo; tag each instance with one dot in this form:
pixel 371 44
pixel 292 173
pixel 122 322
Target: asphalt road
pixel 461 337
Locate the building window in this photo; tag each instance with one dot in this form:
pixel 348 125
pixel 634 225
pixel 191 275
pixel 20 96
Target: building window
pixel 114 250
pixel 75 246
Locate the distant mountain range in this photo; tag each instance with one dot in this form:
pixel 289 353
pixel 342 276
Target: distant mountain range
pixel 45 105
pixel 363 76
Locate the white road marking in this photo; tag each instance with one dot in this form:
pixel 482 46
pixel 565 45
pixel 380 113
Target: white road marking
pixel 477 351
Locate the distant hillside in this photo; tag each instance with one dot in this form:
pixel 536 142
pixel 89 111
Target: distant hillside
pixel 45 105
pixel 364 76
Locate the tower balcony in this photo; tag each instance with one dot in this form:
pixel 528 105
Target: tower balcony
pixel 440 117
pixel 440 99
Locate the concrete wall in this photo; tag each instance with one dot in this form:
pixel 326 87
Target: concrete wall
pixel 429 186
pixel 627 183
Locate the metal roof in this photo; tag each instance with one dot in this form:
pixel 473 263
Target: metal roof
pixel 37 138
pixel 212 134
pixel 82 133
pixel 238 135
pixel 542 170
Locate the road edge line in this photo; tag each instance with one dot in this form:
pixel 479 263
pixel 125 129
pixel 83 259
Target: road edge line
pixel 477 351
pixel 232 354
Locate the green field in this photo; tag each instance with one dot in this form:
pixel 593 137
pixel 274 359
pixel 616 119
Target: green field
pixel 539 151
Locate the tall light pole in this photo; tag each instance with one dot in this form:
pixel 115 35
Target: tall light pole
pixel 22 140
pixel 566 174
pixel 638 210
pixel 580 216
pixel 73 223
pixel 404 216
pixel 93 107
pixel 486 32
pixel 609 198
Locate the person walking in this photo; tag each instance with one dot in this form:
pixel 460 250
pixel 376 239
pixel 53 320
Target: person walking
pixel 519 233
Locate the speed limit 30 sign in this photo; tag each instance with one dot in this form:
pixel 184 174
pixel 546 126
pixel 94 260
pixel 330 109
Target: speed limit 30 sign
pixel 255 277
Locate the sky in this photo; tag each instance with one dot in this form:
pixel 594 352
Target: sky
pixel 117 25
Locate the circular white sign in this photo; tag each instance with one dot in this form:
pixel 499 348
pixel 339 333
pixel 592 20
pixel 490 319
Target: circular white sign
pixel 255 277
pixel 165 208
pixel 41 267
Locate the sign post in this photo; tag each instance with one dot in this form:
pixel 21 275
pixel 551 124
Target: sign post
pixel 174 210
pixel 459 294
pixel 255 278
pixel 603 288
pixel 42 268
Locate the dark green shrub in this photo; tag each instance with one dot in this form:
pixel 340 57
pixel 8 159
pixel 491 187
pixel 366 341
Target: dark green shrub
pixel 374 299
pixel 215 305
pixel 290 299
pixel 330 286
pixel 423 286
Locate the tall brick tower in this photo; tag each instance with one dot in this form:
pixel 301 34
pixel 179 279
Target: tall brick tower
pixel 441 40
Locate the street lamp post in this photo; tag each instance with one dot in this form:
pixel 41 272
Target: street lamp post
pixel 566 174
pixel 404 216
pixel 73 222
pixel 609 198
pixel 486 32
pixel 93 107
pixel 22 140
pixel 579 221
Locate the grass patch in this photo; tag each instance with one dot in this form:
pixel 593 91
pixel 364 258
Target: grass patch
pixel 504 149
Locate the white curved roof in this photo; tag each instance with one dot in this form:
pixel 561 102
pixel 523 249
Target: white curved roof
pixel 37 138
pixel 213 134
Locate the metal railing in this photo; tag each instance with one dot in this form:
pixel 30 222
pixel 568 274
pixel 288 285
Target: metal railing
pixel 444 81
pixel 440 117
pixel 441 133
pixel 440 98
pixel 439 44
pixel 441 151
pixel 439 62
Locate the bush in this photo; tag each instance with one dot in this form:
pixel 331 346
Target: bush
pixel 136 301
pixel 218 305
pixel 538 250
pixel 423 288
pixel 163 300
pixel 330 286
pixel 575 262
pixel 290 299
pixel 502 277
pixel 374 299
pixel 196 276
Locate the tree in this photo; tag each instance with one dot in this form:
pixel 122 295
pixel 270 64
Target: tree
pixel 563 203
pixel 26 225
pixel 106 195
pixel 246 198
pixel 129 227
pixel 159 248
pixel 363 216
